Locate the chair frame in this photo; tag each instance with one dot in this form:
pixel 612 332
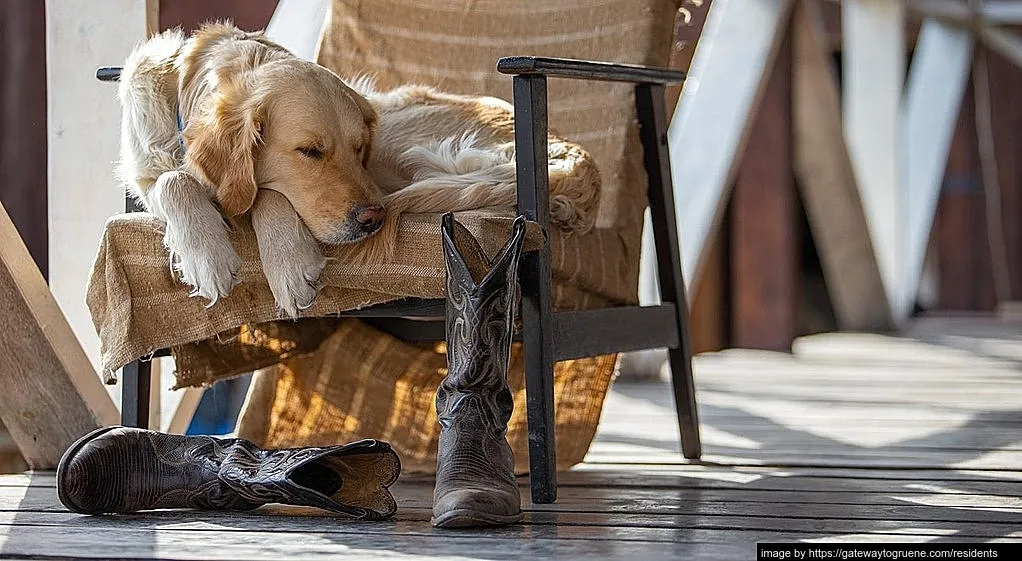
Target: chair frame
pixel 550 336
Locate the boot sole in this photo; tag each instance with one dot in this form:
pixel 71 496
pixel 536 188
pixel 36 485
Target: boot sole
pixel 466 518
pixel 71 452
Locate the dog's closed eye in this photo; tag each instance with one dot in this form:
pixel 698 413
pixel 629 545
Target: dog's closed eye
pixel 310 152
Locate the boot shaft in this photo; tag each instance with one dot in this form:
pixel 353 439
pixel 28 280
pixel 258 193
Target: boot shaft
pixel 481 305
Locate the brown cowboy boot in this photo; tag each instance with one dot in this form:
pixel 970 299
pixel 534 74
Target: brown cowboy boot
pixel 120 469
pixel 475 481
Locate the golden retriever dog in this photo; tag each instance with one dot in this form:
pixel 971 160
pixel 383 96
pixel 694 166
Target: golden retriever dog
pixel 226 122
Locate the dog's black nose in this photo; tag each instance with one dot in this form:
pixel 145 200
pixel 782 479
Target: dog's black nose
pixel 370 217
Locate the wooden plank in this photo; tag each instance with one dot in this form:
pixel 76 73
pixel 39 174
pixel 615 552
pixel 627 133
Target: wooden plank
pixel 933 96
pixel 747 474
pixel 83 137
pixel 296 25
pixel 873 69
pixel 811 482
pixel 765 241
pixel 1002 12
pixel 709 128
pixel 1003 42
pixel 52 394
pixel 862 503
pixel 180 542
pixel 611 515
pixel 631 513
pixel 795 457
pixel 827 181
pixel 609 523
pixel 179 539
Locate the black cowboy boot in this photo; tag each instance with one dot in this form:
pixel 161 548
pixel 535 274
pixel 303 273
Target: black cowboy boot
pixel 120 469
pixel 475 481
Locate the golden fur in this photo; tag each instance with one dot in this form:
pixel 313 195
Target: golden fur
pixel 310 156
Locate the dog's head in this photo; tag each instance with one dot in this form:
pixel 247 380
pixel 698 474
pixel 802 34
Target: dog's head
pixel 294 127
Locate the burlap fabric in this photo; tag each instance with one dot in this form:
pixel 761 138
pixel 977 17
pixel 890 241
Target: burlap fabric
pixel 364 382
pixel 138 307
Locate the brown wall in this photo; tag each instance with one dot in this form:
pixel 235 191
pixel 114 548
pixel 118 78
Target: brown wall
pixel 250 15
pixel 23 121
pixel 966 259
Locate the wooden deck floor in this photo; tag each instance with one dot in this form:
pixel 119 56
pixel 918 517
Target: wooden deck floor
pixel 854 437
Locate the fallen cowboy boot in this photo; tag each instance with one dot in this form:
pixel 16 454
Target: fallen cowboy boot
pixel 120 469
pixel 475 481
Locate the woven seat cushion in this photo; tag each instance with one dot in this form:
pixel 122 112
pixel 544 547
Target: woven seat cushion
pixel 138 307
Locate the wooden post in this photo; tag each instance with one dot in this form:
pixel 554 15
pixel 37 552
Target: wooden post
pixel 710 126
pixel 873 71
pixel 764 235
pixel 933 96
pixel 51 394
pixel 827 181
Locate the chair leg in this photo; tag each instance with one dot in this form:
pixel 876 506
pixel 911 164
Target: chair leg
pixel 649 104
pixel 535 280
pixel 135 381
pixel 537 337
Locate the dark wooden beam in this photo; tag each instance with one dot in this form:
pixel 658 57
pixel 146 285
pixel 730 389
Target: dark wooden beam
pixel 959 231
pixel 764 236
pixel 23 122
pixel 1005 91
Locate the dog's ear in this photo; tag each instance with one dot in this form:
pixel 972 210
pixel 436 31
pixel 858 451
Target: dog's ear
pixel 369 116
pixel 221 144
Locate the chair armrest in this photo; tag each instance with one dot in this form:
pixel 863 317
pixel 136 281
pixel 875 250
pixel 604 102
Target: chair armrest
pixel 108 73
pixel 588 70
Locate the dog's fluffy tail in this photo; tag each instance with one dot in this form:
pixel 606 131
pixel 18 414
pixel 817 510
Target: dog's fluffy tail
pixel 455 175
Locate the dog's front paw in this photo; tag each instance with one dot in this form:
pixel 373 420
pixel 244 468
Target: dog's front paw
pixel 293 275
pixel 206 262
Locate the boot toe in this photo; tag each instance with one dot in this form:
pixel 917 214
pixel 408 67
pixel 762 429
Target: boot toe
pixel 83 476
pixel 460 508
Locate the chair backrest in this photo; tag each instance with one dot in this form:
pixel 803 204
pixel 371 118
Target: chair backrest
pixel 454 45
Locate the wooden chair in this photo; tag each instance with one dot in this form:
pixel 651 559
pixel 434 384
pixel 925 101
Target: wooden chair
pixel 550 336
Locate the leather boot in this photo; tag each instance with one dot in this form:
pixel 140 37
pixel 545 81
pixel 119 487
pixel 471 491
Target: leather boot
pixel 475 481
pixel 120 469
